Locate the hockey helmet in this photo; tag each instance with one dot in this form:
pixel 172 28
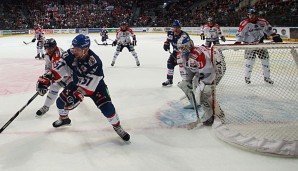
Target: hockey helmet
pixel 176 23
pixel 210 19
pixel 81 41
pixel 49 43
pixel 184 44
pixel 251 11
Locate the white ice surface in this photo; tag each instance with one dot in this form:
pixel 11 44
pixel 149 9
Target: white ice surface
pixel 90 143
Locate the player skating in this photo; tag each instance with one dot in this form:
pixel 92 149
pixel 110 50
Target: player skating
pixel 211 32
pixel 40 37
pixel 172 37
pixel 123 40
pixel 88 80
pixel 253 30
pixel 52 56
pixel 199 77
pixel 104 36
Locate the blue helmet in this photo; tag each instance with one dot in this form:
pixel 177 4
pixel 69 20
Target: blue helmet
pixel 81 41
pixel 176 23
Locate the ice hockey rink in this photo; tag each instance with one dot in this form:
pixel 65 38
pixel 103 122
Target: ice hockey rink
pixel 90 143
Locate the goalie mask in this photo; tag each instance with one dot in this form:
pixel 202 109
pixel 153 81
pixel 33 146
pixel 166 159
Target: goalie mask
pixel 184 45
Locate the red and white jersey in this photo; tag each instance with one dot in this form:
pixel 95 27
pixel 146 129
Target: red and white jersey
pixel 211 32
pixel 39 35
pixel 201 56
pixel 123 36
pixel 50 61
pixel 252 32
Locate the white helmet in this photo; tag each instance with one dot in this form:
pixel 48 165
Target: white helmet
pixel 184 44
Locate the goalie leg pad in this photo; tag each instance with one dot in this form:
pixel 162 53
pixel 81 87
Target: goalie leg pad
pixel 186 87
pixel 206 102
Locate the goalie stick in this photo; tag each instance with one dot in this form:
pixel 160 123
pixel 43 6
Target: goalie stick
pixel 14 116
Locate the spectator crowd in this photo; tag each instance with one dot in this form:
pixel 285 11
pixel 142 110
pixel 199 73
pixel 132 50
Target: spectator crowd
pixel 57 14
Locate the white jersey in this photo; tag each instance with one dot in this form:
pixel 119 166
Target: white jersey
pixel 202 57
pixel 39 35
pixel 123 36
pixel 51 61
pixel 253 32
pixel 211 32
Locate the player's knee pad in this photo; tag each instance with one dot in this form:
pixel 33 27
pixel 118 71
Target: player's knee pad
pixel 130 48
pixel 119 48
pixel 263 54
pixel 185 86
pixel 60 103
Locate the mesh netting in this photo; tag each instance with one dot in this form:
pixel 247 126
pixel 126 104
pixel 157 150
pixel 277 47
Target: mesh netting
pixel 260 116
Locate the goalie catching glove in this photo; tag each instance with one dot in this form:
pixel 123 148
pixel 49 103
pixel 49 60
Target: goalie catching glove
pixel 71 98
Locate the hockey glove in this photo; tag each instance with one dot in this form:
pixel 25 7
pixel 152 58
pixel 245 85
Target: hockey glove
pixel 33 40
pixel 42 85
pixel 166 46
pixel 114 43
pixel 276 38
pixel 71 98
pixel 223 38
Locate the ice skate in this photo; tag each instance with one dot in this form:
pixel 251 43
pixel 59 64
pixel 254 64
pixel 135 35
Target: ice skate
pixel 268 80
pixel 42 111
pixel 63 121
pixel 168 83
pixel 209 122
pixel 247 80
pixel 113 63
pixel 124 135
pixel 138 63
pixel 38 56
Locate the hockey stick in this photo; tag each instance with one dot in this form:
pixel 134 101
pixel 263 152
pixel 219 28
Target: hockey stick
pixel 14 116
pixel 27 43
pixel 100 43
pixel 194 124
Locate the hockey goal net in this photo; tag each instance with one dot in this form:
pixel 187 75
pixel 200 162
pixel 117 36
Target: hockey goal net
pixel 259 116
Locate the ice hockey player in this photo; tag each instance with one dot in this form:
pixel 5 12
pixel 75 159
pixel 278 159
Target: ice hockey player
pixel 104 35
pixel 198 77
pixel 40 37
pixel 52 56
pixel 123 40
pixel 172 37
pixel 88 80
pixel 211 32
pixel 252 30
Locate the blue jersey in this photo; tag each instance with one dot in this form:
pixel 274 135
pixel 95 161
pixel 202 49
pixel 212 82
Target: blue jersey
pixel 104 33
pixel 87 73
pixel 174 38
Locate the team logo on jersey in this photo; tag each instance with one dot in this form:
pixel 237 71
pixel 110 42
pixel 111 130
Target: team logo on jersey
pixel 83 68
pixel 91 60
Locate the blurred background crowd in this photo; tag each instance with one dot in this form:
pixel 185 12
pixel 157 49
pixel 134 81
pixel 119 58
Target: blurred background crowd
pixel 63 14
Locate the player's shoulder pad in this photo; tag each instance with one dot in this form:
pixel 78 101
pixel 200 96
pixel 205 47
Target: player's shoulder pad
pixel 263 20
